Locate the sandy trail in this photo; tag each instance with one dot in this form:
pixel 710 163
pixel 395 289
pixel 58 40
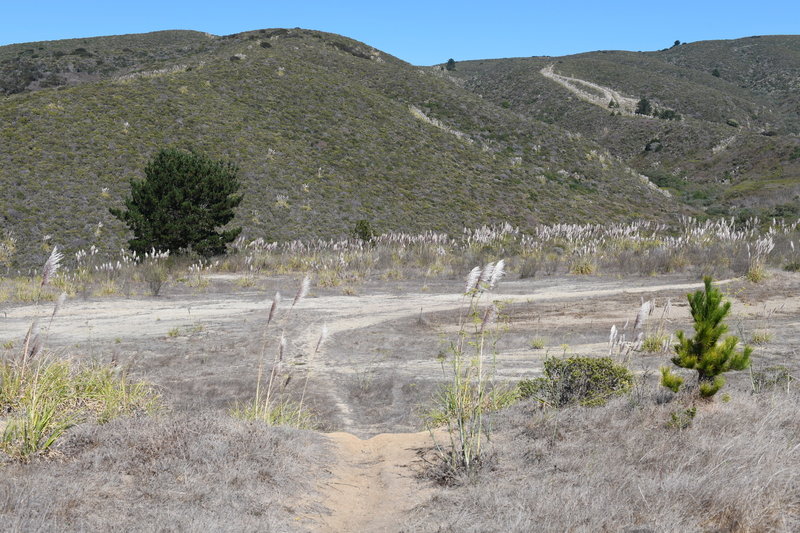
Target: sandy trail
pixel 374 484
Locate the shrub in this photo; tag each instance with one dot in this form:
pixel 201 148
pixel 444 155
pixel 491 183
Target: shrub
pixel 794 266
pixel 643 107
pixel 669 114
pixel 682 419
pixel 578 380
pixel 178 206
pixel 364 231
pixel 705 352
pixel 451 64
pixel 8 247
pixel 582 266
pixel 154 273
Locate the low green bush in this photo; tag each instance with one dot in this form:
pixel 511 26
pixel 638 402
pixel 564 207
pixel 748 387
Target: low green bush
pixel 585 381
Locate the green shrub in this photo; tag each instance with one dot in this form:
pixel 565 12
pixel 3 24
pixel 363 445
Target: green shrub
pixel 794 266
pixel 578 380
pixel 643 107
pixel 682 419
pixel 668 114
pixel 364 231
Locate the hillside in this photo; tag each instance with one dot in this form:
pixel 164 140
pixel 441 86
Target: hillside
pixel 735 148
pixel 326 131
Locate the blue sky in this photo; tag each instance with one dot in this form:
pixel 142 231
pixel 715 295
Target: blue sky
pixel 422 33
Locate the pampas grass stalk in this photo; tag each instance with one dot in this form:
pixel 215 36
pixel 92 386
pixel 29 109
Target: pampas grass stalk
pixel 462 400
pixel 322 337
pixel 32 344
pixel 264 406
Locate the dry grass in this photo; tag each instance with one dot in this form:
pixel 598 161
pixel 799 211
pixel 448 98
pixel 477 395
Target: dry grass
pixel 623 467
pixel 194 472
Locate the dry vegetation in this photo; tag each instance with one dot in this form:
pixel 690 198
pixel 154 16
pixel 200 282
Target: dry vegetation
pixel 168 390
pixel 526 450
pixel 628 466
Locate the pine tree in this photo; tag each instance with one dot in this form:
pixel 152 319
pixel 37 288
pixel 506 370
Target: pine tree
pixel 182 200
pixel 705 352
pixel 451 64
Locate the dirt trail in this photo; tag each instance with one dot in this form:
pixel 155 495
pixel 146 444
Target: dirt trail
pixel 590 92
pixel 374 483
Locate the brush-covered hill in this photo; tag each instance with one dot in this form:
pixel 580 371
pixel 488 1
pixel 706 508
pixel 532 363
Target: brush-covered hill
pixel 325 130
pixel 734 147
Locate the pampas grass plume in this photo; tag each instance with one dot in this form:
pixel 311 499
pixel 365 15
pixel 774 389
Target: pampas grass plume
pixel 322 337
pixel 472 280
pixel 497 273
pixel 274 307
pixel 302 292
pixel 489 317
pixel 51 265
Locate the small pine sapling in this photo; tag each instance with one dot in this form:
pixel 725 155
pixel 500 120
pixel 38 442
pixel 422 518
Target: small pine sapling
pixel 705 352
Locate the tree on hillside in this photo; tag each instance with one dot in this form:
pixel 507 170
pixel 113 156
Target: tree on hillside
pixel 705 352
pixel 643 107
pixel 180 204
pixel 451 64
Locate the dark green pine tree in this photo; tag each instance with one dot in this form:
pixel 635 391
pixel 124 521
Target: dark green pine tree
pixel 705 352
pixel 180 204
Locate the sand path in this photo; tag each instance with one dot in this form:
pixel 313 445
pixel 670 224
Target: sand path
pixel 374 484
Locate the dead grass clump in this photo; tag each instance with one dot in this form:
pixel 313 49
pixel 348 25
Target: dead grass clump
pixel 613 468
pixel 194 472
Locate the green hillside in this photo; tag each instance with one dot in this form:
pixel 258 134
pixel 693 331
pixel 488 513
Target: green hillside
pixel 326 131
pixel 735 148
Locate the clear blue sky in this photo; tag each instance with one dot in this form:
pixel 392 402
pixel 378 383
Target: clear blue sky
pixel 422 33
